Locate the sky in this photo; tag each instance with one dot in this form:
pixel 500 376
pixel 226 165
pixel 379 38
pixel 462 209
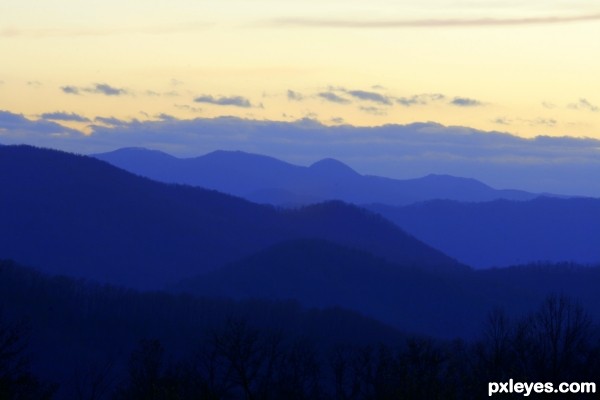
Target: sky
pixel 525 68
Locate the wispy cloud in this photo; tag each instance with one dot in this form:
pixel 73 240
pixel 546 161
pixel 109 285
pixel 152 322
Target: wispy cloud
pixel 373 110
pixel 112 121
pixel 419 99
pixel 540 121
pixel 370 96
pixel 547 122
pixel 429 23
pixel 153 93
pixel 187 107
pixel 64 116
pixel 70 89
pixel 334 98
pixel 105 89
pixel 165 117
pixel 465 102
pixel 584 104
pixel 502 121
pixel 294 96
pixel 98 88
pixel 236 101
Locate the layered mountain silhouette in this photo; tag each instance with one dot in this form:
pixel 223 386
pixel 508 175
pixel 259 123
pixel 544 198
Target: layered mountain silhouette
pixel 323 274
pixel 267 180
pixel 319 273
pixel 79 216
pixel 503 233
pixel 77 328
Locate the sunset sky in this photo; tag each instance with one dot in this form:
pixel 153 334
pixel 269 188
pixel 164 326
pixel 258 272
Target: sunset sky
pixel 507 92
pixel 527 68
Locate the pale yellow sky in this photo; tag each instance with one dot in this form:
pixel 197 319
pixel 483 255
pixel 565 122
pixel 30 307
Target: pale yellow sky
pixel 527 69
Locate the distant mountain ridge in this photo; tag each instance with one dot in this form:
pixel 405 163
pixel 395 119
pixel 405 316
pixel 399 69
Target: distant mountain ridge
pixel 79 216
pixel 267 180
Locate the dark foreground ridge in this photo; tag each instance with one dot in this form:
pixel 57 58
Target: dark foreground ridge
pixel 81 340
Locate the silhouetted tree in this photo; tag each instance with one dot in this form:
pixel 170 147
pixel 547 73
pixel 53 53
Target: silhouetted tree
pixel 148 377
pixel 16 382
pixel 561 331
pixel 250 357
pixel 94 380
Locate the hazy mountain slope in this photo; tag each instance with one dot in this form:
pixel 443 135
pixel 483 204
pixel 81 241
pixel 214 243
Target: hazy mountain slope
pixel 502 233
pixel 263 179
pixel 324 274
pixel 76 329
pixel 82 217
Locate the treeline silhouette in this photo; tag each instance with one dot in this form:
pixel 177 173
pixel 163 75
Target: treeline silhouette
pixel 557 343
pixel 87 341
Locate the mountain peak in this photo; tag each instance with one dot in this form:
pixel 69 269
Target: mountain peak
pixel 333 167
pixel 128 152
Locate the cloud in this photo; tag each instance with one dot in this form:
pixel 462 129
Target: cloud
pixel 165 117
pixel 419 99
pixel 549 122
pixel 548 105
pixel 98 88
pixel 294 96
pixel 583 104
pixel 17 129
pixel 373 110
pixel 542 164
pixel 64 116
pixel 188 108
pixel 152 93
pixel 236 101
pixel 334 98
pixel 105 89
pixel 35 84
pixel 70 89
pixel 338 120
pixel 502 121
pixel 465 102
pixel 110 121
pixel 427 23
pixel 370 96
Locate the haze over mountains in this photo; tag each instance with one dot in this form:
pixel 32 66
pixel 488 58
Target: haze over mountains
pixel 323 274
pixel 482 227
pixel 503 233
pixel 267 180
pixel 79 216
pixel 231 270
